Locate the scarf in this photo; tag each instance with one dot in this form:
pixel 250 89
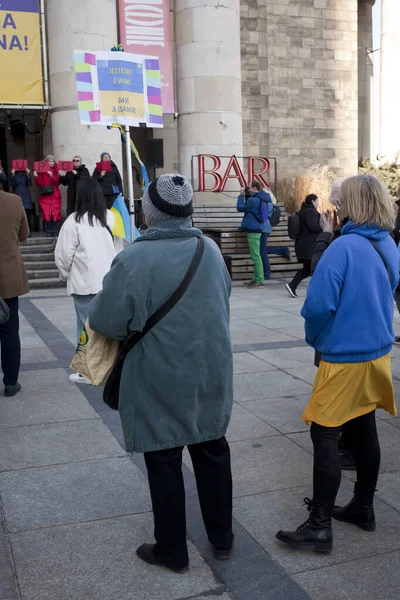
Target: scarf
pixel 170 228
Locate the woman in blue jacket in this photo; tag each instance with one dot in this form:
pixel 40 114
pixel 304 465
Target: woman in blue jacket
pixel 348 317
pixel 20 182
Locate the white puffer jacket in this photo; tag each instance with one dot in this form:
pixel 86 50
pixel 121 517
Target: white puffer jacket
pixel 84 254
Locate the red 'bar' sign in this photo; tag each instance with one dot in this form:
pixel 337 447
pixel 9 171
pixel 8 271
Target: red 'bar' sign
pixel 41 166
pixel 20 164
pixel 221 178
pixel 65 165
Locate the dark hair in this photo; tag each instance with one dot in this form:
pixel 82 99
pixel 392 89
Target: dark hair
pixel 91 201
pixel 256 184
pixel 310 199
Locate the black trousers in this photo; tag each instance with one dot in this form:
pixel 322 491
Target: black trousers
pixel 10 345
pixel 327 470
pixel 301 274
pixel 212 469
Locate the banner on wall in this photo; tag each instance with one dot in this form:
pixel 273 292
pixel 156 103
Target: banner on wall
pixel 145 30
pixel 117 87
pixel 20 53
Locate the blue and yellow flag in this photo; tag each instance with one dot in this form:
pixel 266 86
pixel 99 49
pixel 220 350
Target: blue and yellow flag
pixel 122 226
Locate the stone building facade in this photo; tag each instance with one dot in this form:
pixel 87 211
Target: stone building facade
pixel 289 79
pixel 300 70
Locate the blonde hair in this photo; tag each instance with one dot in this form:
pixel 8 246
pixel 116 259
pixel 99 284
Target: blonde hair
pixel 366 199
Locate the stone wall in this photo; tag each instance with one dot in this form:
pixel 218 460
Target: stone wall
pixel 299 82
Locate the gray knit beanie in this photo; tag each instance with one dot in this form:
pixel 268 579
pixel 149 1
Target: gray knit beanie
pixel 168 196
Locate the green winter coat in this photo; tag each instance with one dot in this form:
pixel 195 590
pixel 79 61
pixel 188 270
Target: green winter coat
pixel 176 386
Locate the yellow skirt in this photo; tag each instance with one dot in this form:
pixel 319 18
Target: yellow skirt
pixel 344 391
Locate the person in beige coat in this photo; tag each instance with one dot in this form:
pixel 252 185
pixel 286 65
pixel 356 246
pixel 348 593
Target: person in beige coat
pixel 13 283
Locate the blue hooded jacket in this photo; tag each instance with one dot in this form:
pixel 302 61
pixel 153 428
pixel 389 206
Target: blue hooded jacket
pixel 251 207
pixel 349 307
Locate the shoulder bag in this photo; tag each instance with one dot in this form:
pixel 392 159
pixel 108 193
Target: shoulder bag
pixel 111 390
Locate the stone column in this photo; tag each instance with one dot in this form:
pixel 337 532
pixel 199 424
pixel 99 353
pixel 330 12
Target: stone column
pixel 365 79
pixel 208 79
pixel 390 80
pixel 76 25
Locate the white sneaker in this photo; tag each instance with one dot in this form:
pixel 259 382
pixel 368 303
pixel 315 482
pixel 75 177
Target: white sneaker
pixel 76 378
pixel 291 292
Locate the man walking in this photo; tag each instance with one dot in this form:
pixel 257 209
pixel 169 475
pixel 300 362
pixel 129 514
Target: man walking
pixel 13 283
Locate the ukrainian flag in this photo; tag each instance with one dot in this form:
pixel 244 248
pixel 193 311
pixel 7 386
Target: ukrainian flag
pixel 122 227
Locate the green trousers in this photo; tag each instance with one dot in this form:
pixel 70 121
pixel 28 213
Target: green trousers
pixel 254 245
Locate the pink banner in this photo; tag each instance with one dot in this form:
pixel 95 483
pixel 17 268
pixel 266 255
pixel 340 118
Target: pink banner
pixel 145 29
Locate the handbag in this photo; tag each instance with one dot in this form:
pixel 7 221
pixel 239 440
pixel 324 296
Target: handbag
pixel 111 390
pixel 4 311
pixel 95 356
pixel 47 190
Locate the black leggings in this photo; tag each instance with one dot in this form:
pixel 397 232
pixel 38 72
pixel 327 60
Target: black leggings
pixel 327 470
pixel 302 274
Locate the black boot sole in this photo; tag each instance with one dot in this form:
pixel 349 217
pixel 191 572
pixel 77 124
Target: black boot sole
pixel 316 546
pixel 370 527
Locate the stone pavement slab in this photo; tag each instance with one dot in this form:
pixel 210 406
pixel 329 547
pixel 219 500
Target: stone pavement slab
pixel 290 358
pixel 373 578
pixel 283 414
pixel 57 443
pixel 46 397
pixel 8 581
pixel 243 362
pixel 268 464
pixel 271 384
pixel 246 426
pixel 264 514
pixel 97 561
pixel 72 493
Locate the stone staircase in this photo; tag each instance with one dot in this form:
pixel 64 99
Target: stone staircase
pixel 38 256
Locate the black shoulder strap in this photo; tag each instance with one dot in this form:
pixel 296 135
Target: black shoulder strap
pixel 383 257
pixel 171 302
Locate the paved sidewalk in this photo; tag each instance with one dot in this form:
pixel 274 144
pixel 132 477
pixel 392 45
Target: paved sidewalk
pixel 74 505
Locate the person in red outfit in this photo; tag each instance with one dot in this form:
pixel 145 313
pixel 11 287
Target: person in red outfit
pixel 50 197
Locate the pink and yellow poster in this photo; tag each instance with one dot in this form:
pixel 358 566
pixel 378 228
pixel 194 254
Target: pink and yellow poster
pixel 20 53
pixel 118 88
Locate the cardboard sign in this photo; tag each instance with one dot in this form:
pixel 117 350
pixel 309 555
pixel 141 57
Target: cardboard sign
pixel 41 166
pixel 65 165
pixel 20 164
pixel 104 166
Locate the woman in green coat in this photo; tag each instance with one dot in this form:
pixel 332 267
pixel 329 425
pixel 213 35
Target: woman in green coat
pixel 176 386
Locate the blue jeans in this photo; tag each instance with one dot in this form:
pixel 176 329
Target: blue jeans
pixel 264 251
pixel 264 255
pixel 82 310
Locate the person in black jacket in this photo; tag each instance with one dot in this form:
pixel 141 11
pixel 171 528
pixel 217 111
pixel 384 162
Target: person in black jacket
pixel 110 181
pixel 310 229
pixel 71 180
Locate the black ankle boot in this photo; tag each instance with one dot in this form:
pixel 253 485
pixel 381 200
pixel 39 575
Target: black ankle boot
pixel 315 533
pixel 357 512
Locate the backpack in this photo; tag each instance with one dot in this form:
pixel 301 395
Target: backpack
pixel 275 218
pixel 294 226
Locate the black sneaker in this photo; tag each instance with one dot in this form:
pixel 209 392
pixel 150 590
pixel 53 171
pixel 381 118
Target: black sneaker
pixel 148 553
pixel 12 390
pixel 290 290
pixel 397 340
